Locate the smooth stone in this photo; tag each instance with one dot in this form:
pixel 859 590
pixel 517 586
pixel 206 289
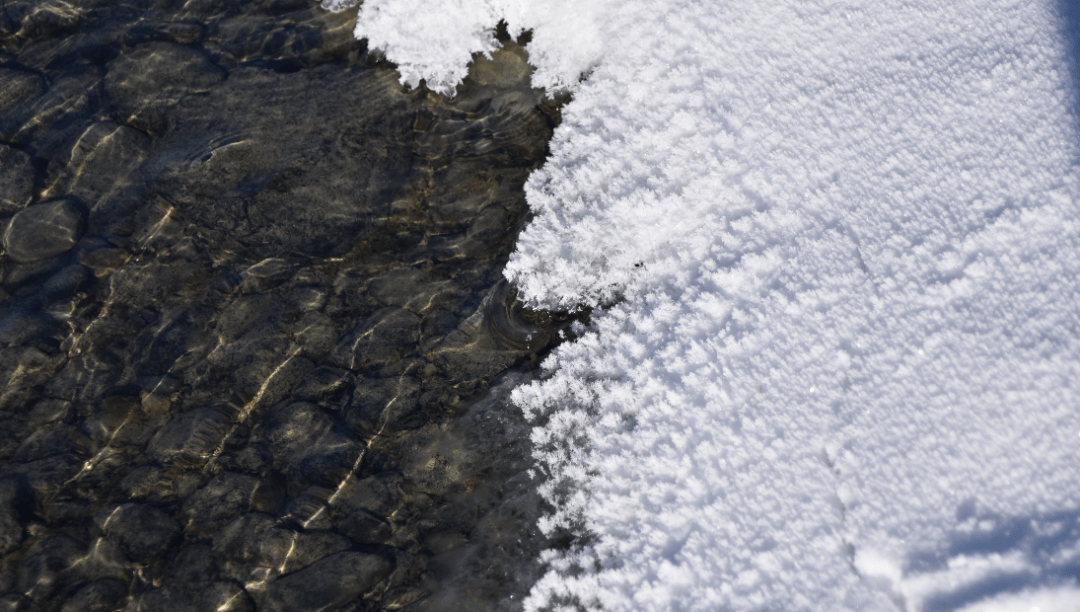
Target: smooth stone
pixel 328 584
pixel 44 230
pixel 16 179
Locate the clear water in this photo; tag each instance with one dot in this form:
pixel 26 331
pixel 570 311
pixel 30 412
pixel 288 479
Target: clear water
pixel 251 316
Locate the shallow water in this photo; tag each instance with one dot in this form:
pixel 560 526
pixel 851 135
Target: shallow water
pixel 250 312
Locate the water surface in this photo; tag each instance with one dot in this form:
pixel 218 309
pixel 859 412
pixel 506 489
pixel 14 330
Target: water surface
pixel 250 310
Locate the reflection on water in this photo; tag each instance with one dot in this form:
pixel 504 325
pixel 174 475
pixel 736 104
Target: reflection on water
pixel 250 303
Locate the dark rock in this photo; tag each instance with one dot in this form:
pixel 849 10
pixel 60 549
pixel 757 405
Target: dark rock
pixel 382 338
pixel 42 569
pixel 57 115
pixel 171 31
pixel 100 164
pixel 269 494
pixel 153 77
pixel 255 541
pixel 212 507
pixel 223 596
pixel 16 177
pixel 18 325
pixel 143 531
pixel 65 283
pixel 331 468
pixel 365 528
pixel 15 603
pixel 379 495
pixel 11 531
pixel 385 405
pixel 325 384
pixel 44 230
pixel 104 261
pixel 18 89
pixel 294 430
pixel 328 584
pixel 97 596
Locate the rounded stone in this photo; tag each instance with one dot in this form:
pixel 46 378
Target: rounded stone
pixel 44 230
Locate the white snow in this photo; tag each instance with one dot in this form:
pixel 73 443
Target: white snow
pixel 1050 599
pixel 837 251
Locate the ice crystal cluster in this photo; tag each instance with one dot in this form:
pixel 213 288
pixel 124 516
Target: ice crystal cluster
pixel 836 251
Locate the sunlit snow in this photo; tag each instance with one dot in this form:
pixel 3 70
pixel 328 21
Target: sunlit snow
pixel 837 251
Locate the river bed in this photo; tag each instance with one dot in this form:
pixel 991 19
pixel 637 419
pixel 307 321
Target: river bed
pixel 255 346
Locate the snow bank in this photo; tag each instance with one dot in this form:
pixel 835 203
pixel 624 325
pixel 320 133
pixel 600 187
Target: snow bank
pixel 838 248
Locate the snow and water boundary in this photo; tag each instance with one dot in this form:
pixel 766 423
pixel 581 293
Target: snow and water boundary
pixel 838 250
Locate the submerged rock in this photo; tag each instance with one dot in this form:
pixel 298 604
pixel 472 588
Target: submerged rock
pixel 328 584
pixel 16 179
pixel 44 230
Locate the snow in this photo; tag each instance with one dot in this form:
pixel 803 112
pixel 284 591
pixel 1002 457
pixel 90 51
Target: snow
pixel 835 251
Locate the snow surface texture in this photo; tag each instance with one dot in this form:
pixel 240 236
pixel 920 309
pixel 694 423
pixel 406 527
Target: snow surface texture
pixel 838 250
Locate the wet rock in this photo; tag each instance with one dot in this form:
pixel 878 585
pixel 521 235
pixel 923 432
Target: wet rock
pixel 330 468
pixel 365 528
pixel 171 31
pixel 325 384
pixel 382 338
pixel 19 89
pixel 143 532
pixel 150 79
pixel 97 596
pixel 65 283
pixel 45 563
pixel 385 405
pixel 44 230
pixel 19 325
pixel 45 476
pixel 223 596
pixel 379 495
pixel 255 541
pixel 103 261
pixel 11 531
pixel 15 603
pixel 16 177
pixel 215 504
pixel 295 429
pixel 49 410
pixel 99 165
pixel 250 175
pixel 55 116
pixel 269 494
pixel 328 584
pixel 45 441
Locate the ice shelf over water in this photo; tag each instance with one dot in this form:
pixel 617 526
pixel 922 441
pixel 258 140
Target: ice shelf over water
pixel 837 248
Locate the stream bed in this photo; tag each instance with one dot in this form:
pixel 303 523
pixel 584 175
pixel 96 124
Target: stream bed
pixel 255 345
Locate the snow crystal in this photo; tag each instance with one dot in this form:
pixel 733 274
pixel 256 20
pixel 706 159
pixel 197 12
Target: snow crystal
pixel 837 247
